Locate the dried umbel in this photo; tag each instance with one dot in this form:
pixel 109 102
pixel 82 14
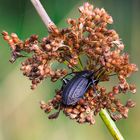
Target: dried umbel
pixel 86 38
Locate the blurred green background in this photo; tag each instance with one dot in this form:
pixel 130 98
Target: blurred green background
pixel 20 115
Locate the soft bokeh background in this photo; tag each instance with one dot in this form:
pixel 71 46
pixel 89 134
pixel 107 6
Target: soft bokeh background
pixel 20 115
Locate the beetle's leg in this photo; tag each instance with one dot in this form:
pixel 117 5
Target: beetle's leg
pixel 94 82
pixel 65 81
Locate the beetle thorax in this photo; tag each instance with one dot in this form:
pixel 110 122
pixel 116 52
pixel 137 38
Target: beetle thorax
pixel 87 73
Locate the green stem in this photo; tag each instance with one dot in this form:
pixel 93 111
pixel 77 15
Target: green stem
pixel 103 113
pixel 110 125
pixel 80 63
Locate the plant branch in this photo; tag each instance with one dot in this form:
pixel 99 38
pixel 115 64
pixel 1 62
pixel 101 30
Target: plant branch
pixel 103 113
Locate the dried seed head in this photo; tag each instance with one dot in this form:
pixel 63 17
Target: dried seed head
pixel 102 47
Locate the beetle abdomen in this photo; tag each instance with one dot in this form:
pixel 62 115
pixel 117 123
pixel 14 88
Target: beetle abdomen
pixel 75 90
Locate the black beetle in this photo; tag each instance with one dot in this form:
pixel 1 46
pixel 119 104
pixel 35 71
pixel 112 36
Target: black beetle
pixel 74 89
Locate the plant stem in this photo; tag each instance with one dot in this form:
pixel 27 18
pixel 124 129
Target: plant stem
pixel 110 125
pixel 103 113
pixel 42 13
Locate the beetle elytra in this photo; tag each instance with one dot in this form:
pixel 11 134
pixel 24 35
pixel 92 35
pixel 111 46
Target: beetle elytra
pixel 75 88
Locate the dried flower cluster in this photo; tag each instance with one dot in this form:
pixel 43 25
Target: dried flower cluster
pixel 89 36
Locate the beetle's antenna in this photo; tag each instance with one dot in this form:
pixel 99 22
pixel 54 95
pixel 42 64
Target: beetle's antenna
pixel 98 71
pixel 100 75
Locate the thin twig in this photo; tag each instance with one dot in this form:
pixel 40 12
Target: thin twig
pixel 42 13
pixel 103 113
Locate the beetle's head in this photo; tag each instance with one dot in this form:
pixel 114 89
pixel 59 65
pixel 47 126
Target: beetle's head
pixel 88 73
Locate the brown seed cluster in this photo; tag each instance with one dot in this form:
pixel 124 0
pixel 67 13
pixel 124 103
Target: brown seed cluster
pixel 86 36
